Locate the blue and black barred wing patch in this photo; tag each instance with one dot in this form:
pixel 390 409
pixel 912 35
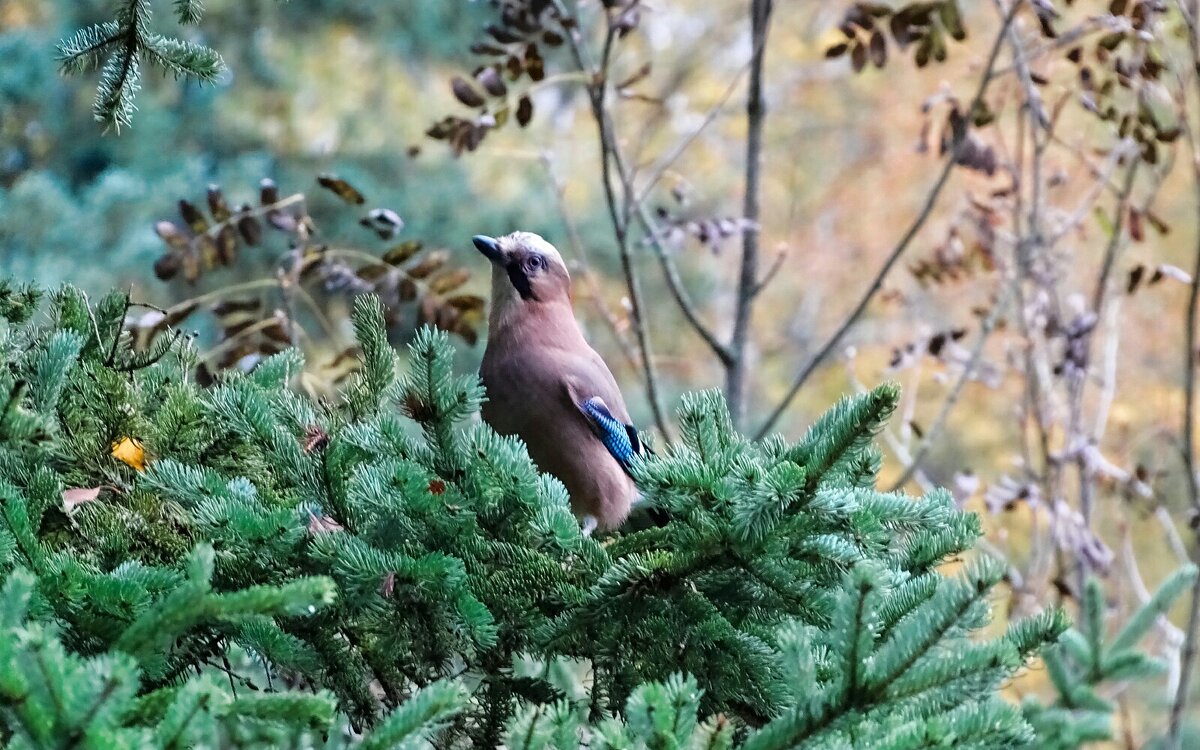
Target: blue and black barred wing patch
pixel 620 439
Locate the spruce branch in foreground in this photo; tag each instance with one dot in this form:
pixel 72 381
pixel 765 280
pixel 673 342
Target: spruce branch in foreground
pixel 117 48
pixel 411 566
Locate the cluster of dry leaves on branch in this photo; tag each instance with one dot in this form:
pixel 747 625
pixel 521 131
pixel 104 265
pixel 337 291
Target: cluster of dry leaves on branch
pixel 257 318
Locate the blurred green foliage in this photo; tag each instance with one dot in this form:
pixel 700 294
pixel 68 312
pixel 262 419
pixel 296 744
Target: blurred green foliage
pixel 78 206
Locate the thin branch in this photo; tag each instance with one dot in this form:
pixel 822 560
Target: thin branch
pixel 675 285
pixel 1068 38
pixel 1077 440
pixel 919 222
pixel 1101 183
pixel 661 169
pixel 756 115
pixel 597 90
pixel 580 252
pixel 1189 11
pixel 610 149
pixel 939 422
pixel 1118 234
pixel 1171 534
pixel 776 265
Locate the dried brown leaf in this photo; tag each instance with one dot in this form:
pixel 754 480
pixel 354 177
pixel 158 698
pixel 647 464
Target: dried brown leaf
pixel 206 247
pixel 167 266
pixel 837 50
pixel 465 92
pixel 878 49
pixel 490 79
pixel 858 57
pixel 172 235
pixel 251 229
pixel 1136 274
pixel 192 216
pixel 466 303
pixel 227 244
pixel 232 306
pixel 430 263
pixel 448 281
pixel 374 272
pixel 524 111
pixel 1137 232
pixel 403 252
pixel 341 189
pixel 216 203
pixel 952 20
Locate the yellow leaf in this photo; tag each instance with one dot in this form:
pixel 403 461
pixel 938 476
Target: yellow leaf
pixel 130 451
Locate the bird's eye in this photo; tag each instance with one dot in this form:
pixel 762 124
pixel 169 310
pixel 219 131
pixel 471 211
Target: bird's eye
pixel 535 263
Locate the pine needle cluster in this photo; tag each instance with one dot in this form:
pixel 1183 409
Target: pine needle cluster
pixel 117 49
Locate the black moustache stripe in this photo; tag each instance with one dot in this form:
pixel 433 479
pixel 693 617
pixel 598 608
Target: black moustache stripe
pixel 520 281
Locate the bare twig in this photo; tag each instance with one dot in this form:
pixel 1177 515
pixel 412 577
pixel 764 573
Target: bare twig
pixel 756 115
pixel 1098 187
pixel 661 169
pixel 675 285
pixel 580 252
pixel 773 271
pixel 618 210
pixel 1172 637
pixel 1077 383
pixel 910 234
pixel 968 369
pixel 1189 11
pixel 1118 234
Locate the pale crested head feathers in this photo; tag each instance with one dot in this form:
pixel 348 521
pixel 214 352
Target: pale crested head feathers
pixel 528 274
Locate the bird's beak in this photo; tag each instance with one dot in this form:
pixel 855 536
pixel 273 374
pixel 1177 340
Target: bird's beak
pixel 489 247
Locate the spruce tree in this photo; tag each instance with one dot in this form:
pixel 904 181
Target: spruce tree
pixel 242 564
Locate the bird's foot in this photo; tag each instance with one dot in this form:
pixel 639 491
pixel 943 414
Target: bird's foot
pixel 589 525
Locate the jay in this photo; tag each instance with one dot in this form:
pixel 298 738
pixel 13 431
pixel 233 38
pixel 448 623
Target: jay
pixel 548 387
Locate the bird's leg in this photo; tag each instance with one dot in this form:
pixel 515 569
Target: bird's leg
pixel 589 525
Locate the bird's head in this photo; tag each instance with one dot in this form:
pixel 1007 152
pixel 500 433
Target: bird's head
pixel 526 271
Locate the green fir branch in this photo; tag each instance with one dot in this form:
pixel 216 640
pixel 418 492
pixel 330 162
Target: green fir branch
pixel 116 48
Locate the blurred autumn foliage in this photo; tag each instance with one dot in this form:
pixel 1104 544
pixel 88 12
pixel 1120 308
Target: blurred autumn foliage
pixel 991 203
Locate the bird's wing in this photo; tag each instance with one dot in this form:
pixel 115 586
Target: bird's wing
pixel 619 438
pixel 592 392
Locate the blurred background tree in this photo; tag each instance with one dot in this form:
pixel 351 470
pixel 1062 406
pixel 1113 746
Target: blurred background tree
pixel 1034 313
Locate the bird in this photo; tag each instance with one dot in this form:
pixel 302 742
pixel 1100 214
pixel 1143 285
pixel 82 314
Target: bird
pixel 551 389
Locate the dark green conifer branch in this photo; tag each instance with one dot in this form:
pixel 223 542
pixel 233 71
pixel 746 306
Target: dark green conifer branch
pixel 117 48
pixel 414 568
